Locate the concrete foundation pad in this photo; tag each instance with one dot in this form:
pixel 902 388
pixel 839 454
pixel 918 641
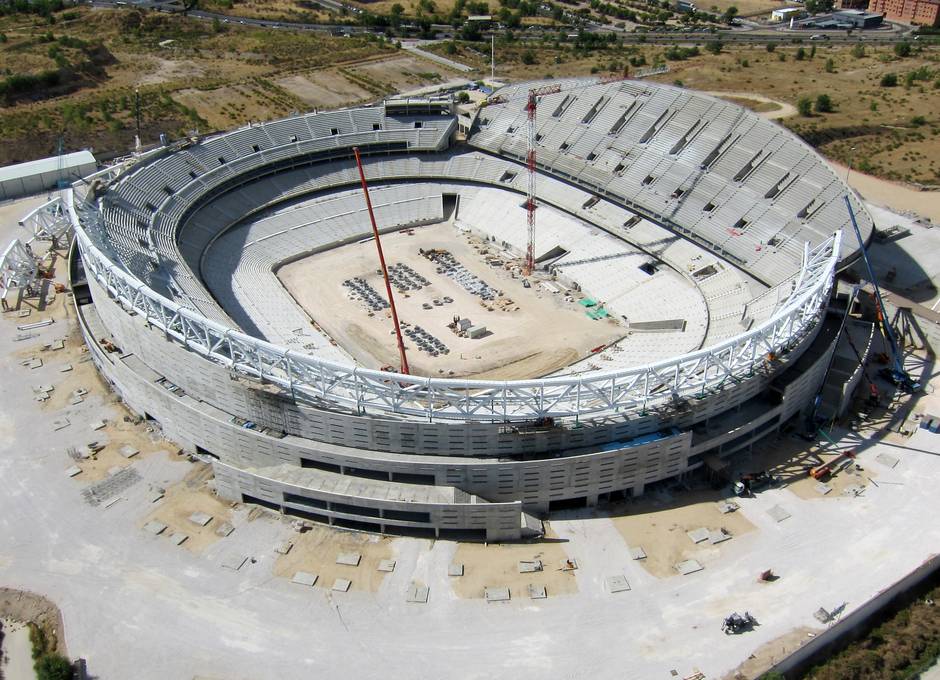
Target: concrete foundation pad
pixel 455 570
pixel 60 423
pixel 349 559
pixel 718 536
pixel 387 566
pixel 304 578
pixel 822 489
pixel 637 553
pixel 341 585
pixel 529 566
pixel 224 529
pixel 537 592
pixel 617 584
pixel 74 470
pixel 200 518
pixel 128 451
pixel 778 514
pixel 689 567
pixel 887 460
pixel 178 539
pixel 234 562
pixel 698 535
pixel 283 547
pixel 98 425
pixel 417 594
pixel 155 528
pixel 496 594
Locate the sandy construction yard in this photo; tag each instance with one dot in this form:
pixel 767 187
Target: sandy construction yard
pixel 497 566
pixel 315 551
pixel 536 335
pixel 659 526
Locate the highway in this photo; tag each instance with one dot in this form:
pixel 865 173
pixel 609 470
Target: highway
pixel 736 36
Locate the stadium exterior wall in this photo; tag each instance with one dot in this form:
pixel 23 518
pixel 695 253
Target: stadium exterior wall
pixel 490 494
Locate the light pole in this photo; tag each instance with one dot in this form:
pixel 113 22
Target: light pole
pixel 849 169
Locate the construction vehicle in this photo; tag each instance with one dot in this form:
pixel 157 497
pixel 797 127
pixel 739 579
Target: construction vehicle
pixel 736 623
pixel 751 482
pixel 830 468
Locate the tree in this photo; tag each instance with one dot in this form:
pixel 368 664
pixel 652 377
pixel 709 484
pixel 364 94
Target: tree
pixel 771 47
pixel 819 6
pixel 471 32
pixel 889 80
pixel 730 14
pixel 830 65
pixel 528 57
pixel 450 47
pixel 823 104
pixel 395 14
pixel 805 106
pixel 53 667
pixel 713 46
pixel 800 54
pixel 902 49
pixel 463 97
pixel 858 51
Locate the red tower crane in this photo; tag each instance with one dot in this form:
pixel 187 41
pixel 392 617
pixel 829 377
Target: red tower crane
pixel 530 204
pixel 388 285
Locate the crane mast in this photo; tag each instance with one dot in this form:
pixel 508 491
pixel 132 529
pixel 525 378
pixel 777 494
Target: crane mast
pixel 530 204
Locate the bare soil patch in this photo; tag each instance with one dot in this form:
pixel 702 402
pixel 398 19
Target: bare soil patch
pixel 316 549
pixel 327 89
pixel 496 565
pixel 181 500
pixel 29 607
pixel 402 73
pixel 659 527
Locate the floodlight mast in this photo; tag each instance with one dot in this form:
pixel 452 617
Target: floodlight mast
pixel 378 246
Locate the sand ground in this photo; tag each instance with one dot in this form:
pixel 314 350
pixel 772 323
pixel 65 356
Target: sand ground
pixel 183 499
pixel 659 526
pixel 537 334
pixel 497 565
pixel 316 549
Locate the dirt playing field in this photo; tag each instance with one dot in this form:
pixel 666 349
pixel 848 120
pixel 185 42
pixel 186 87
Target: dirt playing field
pixel 659 526
pixel 497 566
pixel 316 549
pixel 516 345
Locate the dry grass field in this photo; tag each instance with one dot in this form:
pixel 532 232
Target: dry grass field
pixel 207 77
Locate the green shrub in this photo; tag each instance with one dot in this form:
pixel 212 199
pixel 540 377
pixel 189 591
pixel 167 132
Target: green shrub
pixel 823 104
pixel 53 667
pixel 805 106
pixel 889 80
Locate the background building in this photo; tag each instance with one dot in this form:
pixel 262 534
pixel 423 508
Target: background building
pixel 920 12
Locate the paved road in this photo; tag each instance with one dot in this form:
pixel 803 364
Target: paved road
pixel 746 35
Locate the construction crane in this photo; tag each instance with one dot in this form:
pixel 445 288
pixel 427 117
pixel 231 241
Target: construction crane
pixel 388 284
pixel 531 107
pixel 896 374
